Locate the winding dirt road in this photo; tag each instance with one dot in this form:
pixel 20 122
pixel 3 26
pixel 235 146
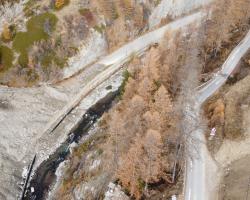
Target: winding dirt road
pixel 201 169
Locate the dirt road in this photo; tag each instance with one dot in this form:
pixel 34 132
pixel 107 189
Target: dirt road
pixel 201 169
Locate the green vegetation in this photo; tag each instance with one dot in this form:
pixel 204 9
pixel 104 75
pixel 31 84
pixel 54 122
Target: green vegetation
pixel 30 7
pixel 100 28
pixel 83 11
pixel 35 32
pixel 126 75
pixel 109 87
pixel 116 15
pixel 157 2
pixel 157 84
pixel 81 149
pixel 141 184
pixel 99 152
pixel 47 58
pixel 6 58
pixel 61 62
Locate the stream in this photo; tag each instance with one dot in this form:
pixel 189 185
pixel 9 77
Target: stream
pixel 44 176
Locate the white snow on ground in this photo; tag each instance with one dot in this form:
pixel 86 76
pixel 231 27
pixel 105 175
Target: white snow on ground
pixel 90 50
pixel 48 143
pixel 115 193
pixel 25 172
pixel 9 13
pixel 173 9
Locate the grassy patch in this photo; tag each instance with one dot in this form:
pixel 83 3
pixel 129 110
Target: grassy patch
pixel 99 152
pixel 100 29
pixel 61 62
pixel 157 2
pixel 6 58
pixel 84 11
pixel 157 84
pixel 35 32
pixel 81 149
pixel 141 184
pixel 28 5
pixel 47 58
pixel 50 56
pixel 126 75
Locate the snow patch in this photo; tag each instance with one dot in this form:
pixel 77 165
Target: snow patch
pixel 25 172
pixel 72 146
pixel 115 193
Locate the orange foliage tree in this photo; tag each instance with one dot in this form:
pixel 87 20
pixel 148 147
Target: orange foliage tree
pixel 6 32
pixel 59 3
pixel 138 127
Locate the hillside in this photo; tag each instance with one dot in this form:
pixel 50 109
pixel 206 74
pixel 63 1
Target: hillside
pixel 124 99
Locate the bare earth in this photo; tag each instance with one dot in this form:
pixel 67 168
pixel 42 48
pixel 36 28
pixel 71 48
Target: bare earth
pixel 235 185
pixel 233 157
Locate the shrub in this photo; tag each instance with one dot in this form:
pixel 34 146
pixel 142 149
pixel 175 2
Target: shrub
pixel 87 14
pixel 100 29
pixel 35 32
pixel 126 75
pixel 6 58
pixel 59 4
pixel 8 32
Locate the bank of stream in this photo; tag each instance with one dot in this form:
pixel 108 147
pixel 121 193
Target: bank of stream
pixel 44 176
